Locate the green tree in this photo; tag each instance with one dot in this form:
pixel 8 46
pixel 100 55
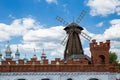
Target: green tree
pixel 113 57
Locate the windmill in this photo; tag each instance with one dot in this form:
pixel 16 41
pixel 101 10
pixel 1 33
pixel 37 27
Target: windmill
pixel 73 49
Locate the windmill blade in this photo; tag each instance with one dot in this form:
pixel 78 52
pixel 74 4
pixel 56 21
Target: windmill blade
pixel 80 17
pixel 86 36
pixel 64 40
pixel 62 20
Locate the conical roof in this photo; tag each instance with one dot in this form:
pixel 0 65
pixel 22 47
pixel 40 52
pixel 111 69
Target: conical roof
pixel 8 50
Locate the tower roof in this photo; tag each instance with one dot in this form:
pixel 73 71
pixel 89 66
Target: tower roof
pixel 17 52
pixel 8 49
pixel 73 24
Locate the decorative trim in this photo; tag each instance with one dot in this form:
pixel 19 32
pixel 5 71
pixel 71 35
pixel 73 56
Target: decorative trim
pixel 53 73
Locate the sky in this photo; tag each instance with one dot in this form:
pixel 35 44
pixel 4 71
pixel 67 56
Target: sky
pixel 32 24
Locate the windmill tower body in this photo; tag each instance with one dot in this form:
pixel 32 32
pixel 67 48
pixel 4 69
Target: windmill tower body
pixel 73 46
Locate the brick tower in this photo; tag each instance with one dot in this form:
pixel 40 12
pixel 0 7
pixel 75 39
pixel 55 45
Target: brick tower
pixel 100 52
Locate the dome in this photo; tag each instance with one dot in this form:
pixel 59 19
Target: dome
pixel 25 59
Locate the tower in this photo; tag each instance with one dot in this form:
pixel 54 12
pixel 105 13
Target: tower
pixel 73 47
pixel 34 55
pixel 17 54
pixel 25 59
pixel 100 52
pixel 43 56
pixel 8 52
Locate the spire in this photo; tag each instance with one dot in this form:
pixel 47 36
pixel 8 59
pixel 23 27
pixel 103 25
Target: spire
pixel 8 51
pixel 43 56
pixel 17 54
pixel 25 58
pixel 34 55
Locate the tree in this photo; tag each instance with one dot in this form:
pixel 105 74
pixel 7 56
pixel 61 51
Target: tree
pixel 113 57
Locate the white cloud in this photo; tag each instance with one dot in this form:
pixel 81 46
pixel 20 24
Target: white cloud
pixel 17 28
pixel 51 1
pixel 47 38
pixel 100 24
pixel 104 7
pixel 36 36
pixel 87 51
pixel 112 33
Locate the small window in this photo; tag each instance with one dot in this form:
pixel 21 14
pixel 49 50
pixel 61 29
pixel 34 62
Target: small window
pixel 93 79
pixel 21 79
pixel 69 79
pixel 45 79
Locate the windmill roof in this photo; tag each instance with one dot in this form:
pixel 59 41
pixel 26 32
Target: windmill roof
pixel 73 24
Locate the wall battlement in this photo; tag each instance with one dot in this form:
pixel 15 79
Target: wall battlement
pixel 34 61
pixel 100 45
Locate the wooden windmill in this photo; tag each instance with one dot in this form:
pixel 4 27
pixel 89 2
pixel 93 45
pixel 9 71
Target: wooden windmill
pixel 73 49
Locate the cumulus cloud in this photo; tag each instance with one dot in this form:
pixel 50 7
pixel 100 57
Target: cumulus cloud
pixel 111 33
pixel 35 35
pixel 17 28
pixel 51 1
pixel 104 7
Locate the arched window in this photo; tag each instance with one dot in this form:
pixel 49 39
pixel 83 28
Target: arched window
pixel 101 59
pixel 45 79
pixel 69 79
pixel 93 79
pixel 20 79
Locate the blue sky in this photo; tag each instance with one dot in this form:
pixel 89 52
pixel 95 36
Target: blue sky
pixel 32 24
